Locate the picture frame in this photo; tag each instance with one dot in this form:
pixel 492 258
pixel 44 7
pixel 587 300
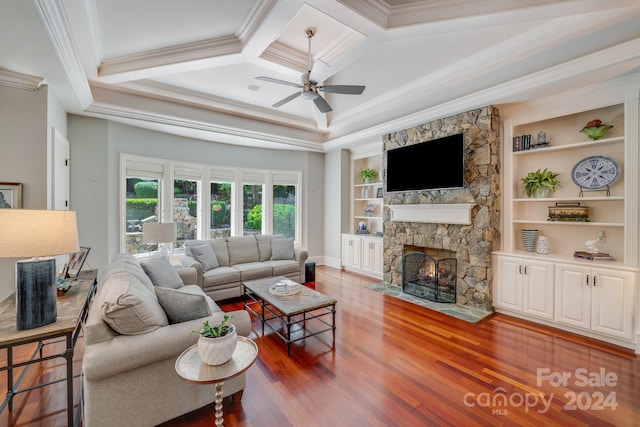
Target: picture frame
pixel 10 195
pixel 379 193
pixel 77 261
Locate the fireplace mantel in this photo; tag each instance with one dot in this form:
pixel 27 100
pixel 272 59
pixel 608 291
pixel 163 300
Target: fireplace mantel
pixel 450 213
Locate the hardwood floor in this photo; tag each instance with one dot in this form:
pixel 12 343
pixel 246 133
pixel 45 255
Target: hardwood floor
pixel 397 364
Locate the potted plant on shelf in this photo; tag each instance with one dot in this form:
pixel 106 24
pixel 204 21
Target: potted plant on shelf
pixel 540 183
pixel 368 175
pixel 216 344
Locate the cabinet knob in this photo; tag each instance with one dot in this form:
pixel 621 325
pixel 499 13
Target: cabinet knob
pixel 587 282
pixel 594 281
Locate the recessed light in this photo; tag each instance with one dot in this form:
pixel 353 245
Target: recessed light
pixel 254 87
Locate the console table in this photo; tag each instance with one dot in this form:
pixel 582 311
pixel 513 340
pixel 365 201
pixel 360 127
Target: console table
pixel 73 307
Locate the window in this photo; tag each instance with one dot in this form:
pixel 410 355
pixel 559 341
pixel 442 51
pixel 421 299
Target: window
pixel 186 204
pixel 237 201
pixel 285 218
pixel 222 187
pixel 143 196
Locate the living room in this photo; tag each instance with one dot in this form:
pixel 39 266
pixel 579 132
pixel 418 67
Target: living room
pixel 104 114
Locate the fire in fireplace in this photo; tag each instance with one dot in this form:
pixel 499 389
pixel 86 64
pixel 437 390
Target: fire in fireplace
pixel 428 277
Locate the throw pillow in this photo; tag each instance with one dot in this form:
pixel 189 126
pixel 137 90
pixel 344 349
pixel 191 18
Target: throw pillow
pixel 129 307
pixel 204 255
pixel 182 304
pixel 282 249
pixel 161 272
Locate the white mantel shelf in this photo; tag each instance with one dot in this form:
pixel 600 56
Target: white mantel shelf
pixel 455 213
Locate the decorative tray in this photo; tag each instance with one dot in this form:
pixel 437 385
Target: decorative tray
pixel 595 172
pixel 284 288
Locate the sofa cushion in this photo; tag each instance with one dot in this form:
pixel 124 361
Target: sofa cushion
pixel 129 307
pixel 129 264
pixel 219 245
pixel 282 249
pixel 181 305
pixel 161 272
pixel 204 255
pixel 264 246
pixel 254 270
pixel 284 267
pixel 221 275
pixel 242 250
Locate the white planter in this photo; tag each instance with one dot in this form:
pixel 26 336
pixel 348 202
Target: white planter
pixel 217 351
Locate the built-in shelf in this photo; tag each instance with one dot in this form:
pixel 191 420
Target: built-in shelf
pixel 570 199
pixel 574 146
pixel 571 223
pixel 368 185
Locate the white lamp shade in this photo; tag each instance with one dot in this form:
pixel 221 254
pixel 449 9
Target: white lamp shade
pixel 153 232
pixel 26 233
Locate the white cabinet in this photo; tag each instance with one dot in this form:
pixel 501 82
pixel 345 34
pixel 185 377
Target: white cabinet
pixel 362 254
pixel 597 299
pixel 525 286
pixel 372 255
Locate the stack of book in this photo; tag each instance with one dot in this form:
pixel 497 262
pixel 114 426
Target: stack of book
pixel 598 256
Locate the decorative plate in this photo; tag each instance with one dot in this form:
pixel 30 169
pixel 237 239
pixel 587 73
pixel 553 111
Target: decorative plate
pixel 594 172
pixel 284 289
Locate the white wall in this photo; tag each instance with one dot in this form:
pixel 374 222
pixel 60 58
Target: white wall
pixel 96 146
pixel 23 121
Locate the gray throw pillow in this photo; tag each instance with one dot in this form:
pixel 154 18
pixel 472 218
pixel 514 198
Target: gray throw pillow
pixel 161 272
pixel 180 305
pixel 282 249
pixel 204 255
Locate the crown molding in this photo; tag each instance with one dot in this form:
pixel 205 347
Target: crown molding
pixel 121 68
pixel 20 81
pixel 255 18
pixel 55 21
pixel 198 129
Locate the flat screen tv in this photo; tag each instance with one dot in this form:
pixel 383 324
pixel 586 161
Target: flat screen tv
pixel 428 165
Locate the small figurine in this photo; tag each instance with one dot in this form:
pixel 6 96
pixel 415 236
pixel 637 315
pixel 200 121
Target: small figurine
pixel 591 246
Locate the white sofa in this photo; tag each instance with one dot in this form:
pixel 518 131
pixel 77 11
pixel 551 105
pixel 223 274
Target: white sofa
pixel 134 333
pixel 223 263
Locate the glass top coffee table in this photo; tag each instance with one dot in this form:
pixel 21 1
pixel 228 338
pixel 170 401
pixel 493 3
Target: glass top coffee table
pixel 281 312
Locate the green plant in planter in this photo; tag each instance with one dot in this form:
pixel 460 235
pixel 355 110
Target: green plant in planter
pixel 221 330
pixel 367 175
pixel 539 180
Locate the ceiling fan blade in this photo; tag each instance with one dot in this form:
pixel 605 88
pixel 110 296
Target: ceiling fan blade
pixel 344 89
pixel 322 105
pixel 278 81
pixel 287 99
pixel 319 72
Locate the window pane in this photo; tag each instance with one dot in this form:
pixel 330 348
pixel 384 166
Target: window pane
pixel 284 210
pixel 141 207
pixel 220 209
pixel 185 210
pixel 252 208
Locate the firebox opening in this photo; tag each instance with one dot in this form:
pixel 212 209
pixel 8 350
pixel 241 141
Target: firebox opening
pixel 429 274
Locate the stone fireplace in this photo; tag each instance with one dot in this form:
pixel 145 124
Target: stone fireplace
pixel 464 221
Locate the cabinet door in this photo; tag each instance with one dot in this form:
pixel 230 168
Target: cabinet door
pixel 537 289
pixel 573 295
pixel 612 302
pixel 509 283
pixel 372 255
pixel 350 251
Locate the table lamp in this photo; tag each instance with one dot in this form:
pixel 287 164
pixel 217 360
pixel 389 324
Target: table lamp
pixel 154 232
pixel 38 234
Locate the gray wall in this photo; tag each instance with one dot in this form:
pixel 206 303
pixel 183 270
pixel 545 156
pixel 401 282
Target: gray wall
pixel 337 203
pixel 96 146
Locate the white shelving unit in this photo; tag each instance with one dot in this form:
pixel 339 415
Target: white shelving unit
pixel 556 289
pixel 363 252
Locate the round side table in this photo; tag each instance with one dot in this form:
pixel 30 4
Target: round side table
pixel 190 368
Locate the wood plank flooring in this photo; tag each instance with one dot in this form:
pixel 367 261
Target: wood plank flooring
pixel 397 364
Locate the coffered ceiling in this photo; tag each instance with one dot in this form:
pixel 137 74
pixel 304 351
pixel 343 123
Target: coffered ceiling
pixel 188 67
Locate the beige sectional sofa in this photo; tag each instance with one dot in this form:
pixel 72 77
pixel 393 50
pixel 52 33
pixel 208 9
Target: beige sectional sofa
pixel 222 264
pixel 140 321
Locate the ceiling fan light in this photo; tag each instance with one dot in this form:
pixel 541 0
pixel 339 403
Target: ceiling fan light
pixel 309 95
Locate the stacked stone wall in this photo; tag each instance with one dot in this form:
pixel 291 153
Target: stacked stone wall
pixel 472 243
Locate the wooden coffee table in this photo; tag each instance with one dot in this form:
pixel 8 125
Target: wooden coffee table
pixel 287 311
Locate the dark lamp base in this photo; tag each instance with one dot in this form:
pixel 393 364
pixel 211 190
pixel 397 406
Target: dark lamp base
pixel 36 293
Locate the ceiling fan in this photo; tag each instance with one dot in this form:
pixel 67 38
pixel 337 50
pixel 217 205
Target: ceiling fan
pixel 310 85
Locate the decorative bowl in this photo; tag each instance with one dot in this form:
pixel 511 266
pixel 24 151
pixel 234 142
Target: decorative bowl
pixel 596 132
